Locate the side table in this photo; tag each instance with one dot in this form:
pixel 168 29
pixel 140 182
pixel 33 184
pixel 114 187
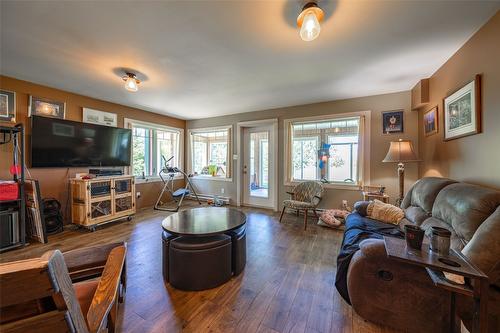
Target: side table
pixel 370 196
pixel 456 263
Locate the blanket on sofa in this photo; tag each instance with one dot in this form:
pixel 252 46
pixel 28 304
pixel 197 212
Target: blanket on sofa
pixel 358 228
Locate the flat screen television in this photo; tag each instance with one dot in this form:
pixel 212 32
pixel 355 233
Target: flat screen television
pixel 64 143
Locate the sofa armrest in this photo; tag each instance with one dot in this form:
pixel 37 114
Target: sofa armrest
pixel 393 293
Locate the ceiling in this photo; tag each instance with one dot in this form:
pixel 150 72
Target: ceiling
pixel 202 59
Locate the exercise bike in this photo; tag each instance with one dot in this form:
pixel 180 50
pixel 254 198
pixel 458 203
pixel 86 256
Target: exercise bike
pixel 167 174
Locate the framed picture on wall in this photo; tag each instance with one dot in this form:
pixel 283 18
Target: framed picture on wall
pixel 100 117
pixel 431 121
pixel 462 111
pixel 392 122
pixel 46 107
pixel 7 105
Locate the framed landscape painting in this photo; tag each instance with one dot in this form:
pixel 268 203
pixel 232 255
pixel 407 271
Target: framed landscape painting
pixel 392 122
pixel 431 121
pixel 45 107
pixel 7 105
pixel 462 111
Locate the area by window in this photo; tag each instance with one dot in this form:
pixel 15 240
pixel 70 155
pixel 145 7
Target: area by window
pixel 153 144
pixel 325 150
pixel 210 152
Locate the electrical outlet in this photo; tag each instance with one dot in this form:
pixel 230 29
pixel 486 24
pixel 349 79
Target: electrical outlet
pixel 138 194
pixel 222 190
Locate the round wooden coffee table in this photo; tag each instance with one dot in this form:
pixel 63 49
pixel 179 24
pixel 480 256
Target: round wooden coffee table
pixel 205 221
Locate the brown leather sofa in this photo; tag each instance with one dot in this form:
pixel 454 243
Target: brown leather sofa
pixel 402 296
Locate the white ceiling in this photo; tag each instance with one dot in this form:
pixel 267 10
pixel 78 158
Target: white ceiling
pixel 211 58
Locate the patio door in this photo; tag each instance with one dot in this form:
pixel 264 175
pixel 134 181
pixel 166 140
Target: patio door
pixel 259 158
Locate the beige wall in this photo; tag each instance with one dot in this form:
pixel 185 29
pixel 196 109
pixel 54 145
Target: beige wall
pixel 381 173
pixel 475 158
pixel 54 181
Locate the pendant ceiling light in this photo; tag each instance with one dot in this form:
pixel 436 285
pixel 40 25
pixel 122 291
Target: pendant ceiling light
pixel 309 21
pixel 131 82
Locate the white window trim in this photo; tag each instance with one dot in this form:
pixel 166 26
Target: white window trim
pixel 128 123
pixel 230 153
pixel 364 149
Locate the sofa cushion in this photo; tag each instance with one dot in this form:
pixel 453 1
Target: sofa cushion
pixel 416 214
pixel 464 207
pixel 425 191
pixel 488 261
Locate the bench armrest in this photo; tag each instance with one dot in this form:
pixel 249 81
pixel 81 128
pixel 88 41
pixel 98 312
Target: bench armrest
pixel 88 262
pixel 106 294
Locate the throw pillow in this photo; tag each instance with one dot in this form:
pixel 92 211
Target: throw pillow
pixel 361 207
pixel 383 212
pixel 329 217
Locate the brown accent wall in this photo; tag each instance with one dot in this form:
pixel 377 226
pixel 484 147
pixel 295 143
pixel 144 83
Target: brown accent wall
pixel 475 158
pixel 380 173
pixel 54 181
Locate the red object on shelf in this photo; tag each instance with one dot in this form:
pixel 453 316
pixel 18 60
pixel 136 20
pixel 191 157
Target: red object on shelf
pixel 15 169
pixel 9 191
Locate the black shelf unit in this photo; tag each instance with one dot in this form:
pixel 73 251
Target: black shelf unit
pixel 15 135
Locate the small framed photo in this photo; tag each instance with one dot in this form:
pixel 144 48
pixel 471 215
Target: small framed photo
pixel 392 122
pixel 431 121
pixel 46 107
pixel 462 111
pixel 7 105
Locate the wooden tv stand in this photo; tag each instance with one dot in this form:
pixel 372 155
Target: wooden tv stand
pixel 101 200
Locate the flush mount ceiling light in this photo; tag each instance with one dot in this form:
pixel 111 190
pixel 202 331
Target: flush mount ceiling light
pixel 309 21
pixel 131 82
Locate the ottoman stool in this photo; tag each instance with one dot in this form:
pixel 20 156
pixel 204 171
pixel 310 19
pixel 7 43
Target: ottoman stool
pixel 199 263
pixel 165 243
pixel 239 249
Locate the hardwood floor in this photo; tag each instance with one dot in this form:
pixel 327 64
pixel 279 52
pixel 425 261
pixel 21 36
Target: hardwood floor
pixel 287 285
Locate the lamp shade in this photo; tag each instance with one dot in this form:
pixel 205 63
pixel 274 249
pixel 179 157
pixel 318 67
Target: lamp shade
pixel 401 151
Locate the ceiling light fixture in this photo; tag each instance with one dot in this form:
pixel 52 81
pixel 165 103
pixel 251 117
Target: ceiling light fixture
pixel 309 21
pixel 131 82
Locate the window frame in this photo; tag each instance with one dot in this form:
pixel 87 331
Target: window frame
pixel 190 146
pixel 306 138
pixel 130 123
pixel 363 148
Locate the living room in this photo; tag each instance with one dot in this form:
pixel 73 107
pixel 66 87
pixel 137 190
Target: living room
pixel 250 166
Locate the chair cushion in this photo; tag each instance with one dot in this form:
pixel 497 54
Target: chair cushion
pixel 85 293
pixel 298 204
pixel 308 191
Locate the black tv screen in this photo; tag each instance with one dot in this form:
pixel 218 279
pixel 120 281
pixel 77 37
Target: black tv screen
pixel 64 143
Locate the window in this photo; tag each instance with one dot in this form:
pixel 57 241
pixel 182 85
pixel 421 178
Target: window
pixel 153 144
pixel 210 152
pixel 325 150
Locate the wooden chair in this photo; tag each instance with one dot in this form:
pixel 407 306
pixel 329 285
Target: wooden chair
pixel 77 291
pixel 305 196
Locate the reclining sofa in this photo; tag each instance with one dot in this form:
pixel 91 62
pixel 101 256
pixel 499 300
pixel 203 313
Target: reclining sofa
pixel 402 296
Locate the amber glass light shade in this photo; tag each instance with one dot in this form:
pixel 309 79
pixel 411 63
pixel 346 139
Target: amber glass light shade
pixel 309 21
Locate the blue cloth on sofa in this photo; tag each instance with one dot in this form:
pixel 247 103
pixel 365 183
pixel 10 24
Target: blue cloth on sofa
pixel 357 229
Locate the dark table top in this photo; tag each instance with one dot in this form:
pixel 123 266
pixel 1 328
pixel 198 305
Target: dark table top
pixel 204 221
pixel 459 264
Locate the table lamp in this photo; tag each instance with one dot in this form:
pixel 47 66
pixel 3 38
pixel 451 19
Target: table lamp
pixel 400 152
